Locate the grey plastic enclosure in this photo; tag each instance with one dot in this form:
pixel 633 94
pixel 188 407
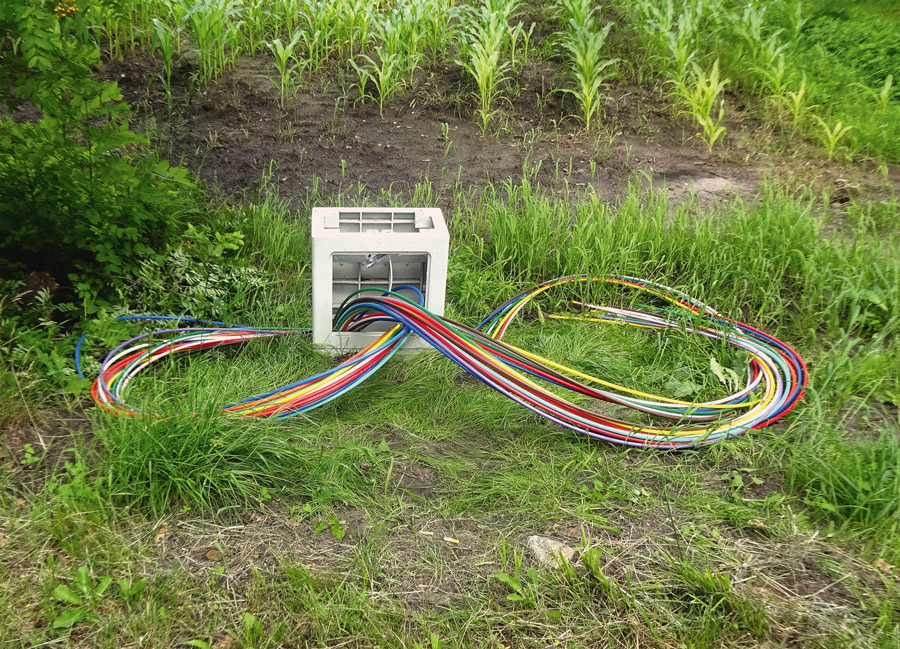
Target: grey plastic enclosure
pixel 357 247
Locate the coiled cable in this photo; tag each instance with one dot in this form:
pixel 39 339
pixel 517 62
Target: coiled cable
pixel 776 374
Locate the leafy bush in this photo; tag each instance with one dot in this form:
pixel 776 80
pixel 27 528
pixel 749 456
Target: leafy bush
pixel 81 202
pixel 78 195
pixel 200 277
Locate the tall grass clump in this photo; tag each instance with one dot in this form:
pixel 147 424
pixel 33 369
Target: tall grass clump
pixel 856 485
pixel 202 462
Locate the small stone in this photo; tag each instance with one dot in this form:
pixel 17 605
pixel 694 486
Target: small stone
pixel 549 552
pixel 161 534
pixel 884 566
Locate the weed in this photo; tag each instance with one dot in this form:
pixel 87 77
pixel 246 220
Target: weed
pixel 333 524
pixel 85 598
pixel 712 592
pixel 522 592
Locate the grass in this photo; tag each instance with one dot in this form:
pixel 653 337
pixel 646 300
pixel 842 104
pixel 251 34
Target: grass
pixel 397 516
pixel 697 549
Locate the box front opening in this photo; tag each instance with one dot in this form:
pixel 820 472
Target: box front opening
pixel 388 271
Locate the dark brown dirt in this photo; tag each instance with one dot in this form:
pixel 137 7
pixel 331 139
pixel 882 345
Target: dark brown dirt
pixel 234 130
pixel 51 437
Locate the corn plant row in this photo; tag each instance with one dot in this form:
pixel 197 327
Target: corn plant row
pixel 384 42
pixel 401 40
pixel 693 45
pixel 385 45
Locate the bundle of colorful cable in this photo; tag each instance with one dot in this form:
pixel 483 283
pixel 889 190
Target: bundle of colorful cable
pixel 776 374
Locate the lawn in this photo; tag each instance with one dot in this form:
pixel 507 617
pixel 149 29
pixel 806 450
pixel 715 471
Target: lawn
pixel 163 157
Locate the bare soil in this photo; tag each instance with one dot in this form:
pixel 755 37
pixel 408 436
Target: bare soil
pixel 234 132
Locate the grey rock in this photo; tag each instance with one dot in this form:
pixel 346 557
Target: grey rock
pixel 549 552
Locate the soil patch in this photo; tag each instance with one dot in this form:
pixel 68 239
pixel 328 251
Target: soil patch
pixel 32 451
pixel 233 130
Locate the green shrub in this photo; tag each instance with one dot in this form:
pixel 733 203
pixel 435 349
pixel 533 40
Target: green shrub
pixel 79 196
pixel 95 210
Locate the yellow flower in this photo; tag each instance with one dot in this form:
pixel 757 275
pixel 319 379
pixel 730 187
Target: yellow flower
pixel 65 8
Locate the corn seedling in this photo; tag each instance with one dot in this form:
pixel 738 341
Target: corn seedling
pixel 797 19
pixel 286 64
pixel 579 12
pixel 504 10
pixel 438 30
pixel 356 19
pixel 831 136
pixel 483 48
pixel 318 29
pixel 166 39
pixel 210 24
pixel 677 46
pixel 774 77
pixel 587 67
pixel 410 18
pixel 749 27
pixel 882 97
pixel 287 14
pixel 385 73
pixel 119 26
pixel 258 23
pixel 795 100
pixel 399 36
pixel 699 99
